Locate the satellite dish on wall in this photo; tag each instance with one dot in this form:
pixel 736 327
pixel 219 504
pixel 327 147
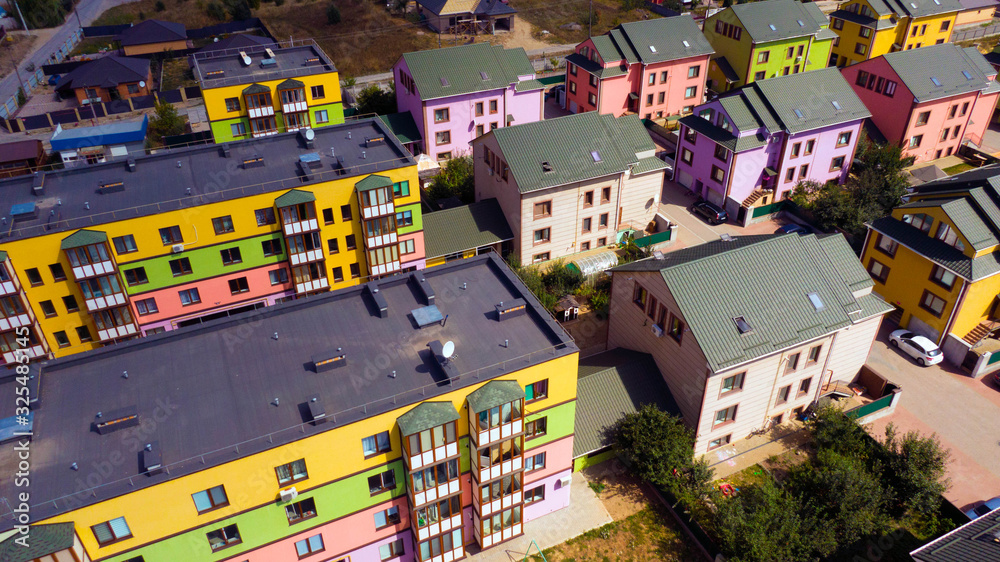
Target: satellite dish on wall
pixel 310 134
pixel 448 350
pixel 142 83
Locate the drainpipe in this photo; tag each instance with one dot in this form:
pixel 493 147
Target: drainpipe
pixel 774 385
pixel 618 201
pixel 826 363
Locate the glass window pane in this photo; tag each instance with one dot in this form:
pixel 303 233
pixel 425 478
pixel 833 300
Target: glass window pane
pixel 438 436
pixel 414 444
pixel 425 550
pixel 495 417
pixel 517 409
pixel 450 432
pixel 456 537
pixel 383 440
pixel 425 440
pixel 218 494
pixel 380 519
pixel 316 542
pixel 103 533
pixel 302 548
pixel 506 413
pixel 119 527
pixel 484 420
pixel 368 445
pixel 446 543
pixel 299 469
pixel 418 481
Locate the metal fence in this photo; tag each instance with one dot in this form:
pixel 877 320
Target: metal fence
pixel 975 33
pixel 96 110
pixel 34 79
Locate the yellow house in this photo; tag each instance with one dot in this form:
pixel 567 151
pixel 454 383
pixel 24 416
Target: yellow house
pixel 867 29
pixel 262 90
pixel 937 259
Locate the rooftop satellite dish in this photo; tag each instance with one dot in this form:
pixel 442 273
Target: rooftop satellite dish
pixel 448 350
pixel 142 83
pixel 310 134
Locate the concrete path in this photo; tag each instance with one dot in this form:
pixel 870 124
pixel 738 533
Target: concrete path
pixel 585 512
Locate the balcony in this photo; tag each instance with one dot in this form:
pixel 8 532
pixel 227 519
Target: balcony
pixel 443 526
pixel 310 286
pixel 294 107
pixel 386 268
pixel 86 271
pixel 306 256
pixel 32 352
pixel 299 227
pixel 380 240
pixel 258 112
pixel 117 332
pixel 380 210
pixel 434 456
pixel 434 493
pixel 106 301
pixel 504 468
pixel 503 431
pixel 11 322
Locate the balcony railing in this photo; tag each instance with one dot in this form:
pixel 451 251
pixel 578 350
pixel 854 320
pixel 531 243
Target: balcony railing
pixel 434 493
pixel 107 301
pixel 386 268
pixel 306 257
pixel 438 454
pixel 314 285
pixel 445 525
pixel 299 227
pixel 93 269
pixel 381 210
pixel 117 332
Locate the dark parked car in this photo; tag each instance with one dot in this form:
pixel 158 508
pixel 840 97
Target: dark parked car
pixel 711 212
pixel 793 228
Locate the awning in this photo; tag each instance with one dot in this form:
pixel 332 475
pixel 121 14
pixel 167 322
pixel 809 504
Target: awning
pixel 633 96
pixel 510 118
pixel 770 172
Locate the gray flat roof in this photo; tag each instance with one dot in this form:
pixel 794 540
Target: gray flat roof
pixel 291 60
pixel 228 389
pixel 175 179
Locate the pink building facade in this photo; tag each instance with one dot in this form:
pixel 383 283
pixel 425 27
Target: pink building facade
pixel 654 68
pixel 930 100
pixel 458 94
pixel 753 147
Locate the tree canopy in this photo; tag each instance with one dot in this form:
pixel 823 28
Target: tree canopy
pixel 373 99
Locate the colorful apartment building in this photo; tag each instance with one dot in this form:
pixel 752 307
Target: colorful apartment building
pixel 460 93
pixel 106 252
pixel 761 40
pixel 735 361
pixel 655 68
pixel 750 148
pixel 356 425
pixel 868 29
pixel 570 184
pixel 261 90
pixel 930 101
pixel 935 258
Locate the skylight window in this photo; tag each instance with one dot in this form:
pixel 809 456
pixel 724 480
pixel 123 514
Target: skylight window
pixel 652 49
pixel 836 105
pixel 686 44
pixel 935 80
pixel 912 5
pixel 798 113
pixel 444 82
pixel 483 75
pixel 938 2
pixel 801 23
pixel 967 75
pixel 595 155
pixel 546 167
pixel 816 301
pixel 771 25
pixel 742 325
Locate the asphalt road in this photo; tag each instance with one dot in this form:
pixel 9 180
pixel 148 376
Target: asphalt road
pixel 88 11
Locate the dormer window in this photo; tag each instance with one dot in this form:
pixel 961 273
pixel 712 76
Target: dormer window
pixel 546 167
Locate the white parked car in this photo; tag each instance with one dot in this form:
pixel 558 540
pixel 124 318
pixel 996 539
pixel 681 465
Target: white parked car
pixel 920 348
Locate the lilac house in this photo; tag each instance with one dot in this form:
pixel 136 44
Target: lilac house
pixel 459 93
pixel 751 147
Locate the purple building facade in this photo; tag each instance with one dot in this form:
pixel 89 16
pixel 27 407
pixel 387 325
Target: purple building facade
pixel 458 94
pixel 751 148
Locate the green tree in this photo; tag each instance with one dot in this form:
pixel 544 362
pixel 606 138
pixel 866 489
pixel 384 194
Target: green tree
pixel 216 11
pixel 238 9
pixel 42 13
pixel 166 122
pixel 373 99
pixel 656 444
pixel 332 14
pixel 916 471
pixel 457 179
pixel 560 280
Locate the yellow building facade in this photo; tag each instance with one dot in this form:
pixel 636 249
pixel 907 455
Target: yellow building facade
pixel 867 29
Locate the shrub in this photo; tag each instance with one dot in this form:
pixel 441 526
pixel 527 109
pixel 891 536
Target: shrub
pixel 160 6
pixel 332 14
pixel 166 122
pixel 560 280
pixel 238 9
pixel 215 11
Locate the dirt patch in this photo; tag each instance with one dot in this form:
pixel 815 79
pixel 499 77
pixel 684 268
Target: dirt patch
pixel 14 46
pixel 177 74
pixel 549 17
pixel 622 494
pixel 589 331
pixel 191 13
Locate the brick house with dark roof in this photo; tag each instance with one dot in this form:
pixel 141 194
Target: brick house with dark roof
pixel 153 36
pixel 108 78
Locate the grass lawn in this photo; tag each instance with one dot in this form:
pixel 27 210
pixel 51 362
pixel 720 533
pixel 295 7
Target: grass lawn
pixel 650 534
pixel 549 16
pixel 92 45
pixel 176 74
pixel 958 168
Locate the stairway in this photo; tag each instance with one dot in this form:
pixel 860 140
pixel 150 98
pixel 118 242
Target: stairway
pixel 979 333
pixel 894 317
pixel 749 201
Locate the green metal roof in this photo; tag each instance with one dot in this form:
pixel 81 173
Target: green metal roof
pixel 723 137
pixel 714 285
pixel 403 126
pixel 44 540
pixel 741 114
pixel 494 393
pixel 456 71
pixel 937 251
pixel 290 84
pixel 528 85
pixel 662 39
pixel 567 144
pixel 82 238
pixel 256 89
pixel 812 95
pixel 619 39
pixel 294 197
pixel 606 48
pixel 648 164
pixel 963 215
pixel 817 15
pixel 373 182
pixel 845 260
pixel 761 110
pixel 597 70
pixel 784 15
pixel 465 228
pixel 426 416
pixel 918 68
pixel 609 386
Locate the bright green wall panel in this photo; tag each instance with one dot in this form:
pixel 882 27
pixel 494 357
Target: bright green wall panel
pixel 418 218
pixel 559 425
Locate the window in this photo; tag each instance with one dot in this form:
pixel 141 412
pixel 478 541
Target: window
pixel 212 498
pixel 763 57
pixel 48 309
pixel 640 296
pixel 238 129
pixel 727 415
pixel 312 545
pixel 542 235
pixel 693 71
pixel 300 511
pixel 949 236
pixel 34 277
pixel 686 156
pixel 404 218
pixel 543 209
pixel 171 235
pixel 232 104
pixel 350 242
pixel 322 116
pixel 661 97
pixel 535 494
pixel 721 153
pixel 376 444
pixel 231 255
pixel 493 106
pixel 180 266
pixel 804 387
pixel 338 274
pixel 391 550
pixel 223 225
pixel 945 24
pixel 69 302
pixel 675 328
pixel 124 244
pixel 536 428
pixel 536 391
pixel 814 353
pixel 837 164
pixel 803 171
pixel 954 132
pixel 237 286
pixel 592 99
pixel 649 99
pixel 318 92
pixel 588 199
pixel 224 537
pixel 355 271
pixel 860 49
pixel 83 333
pixel 602 220
pixel 690 92
pixel 146 306
pixel 716 443
pixel 810 145
pixel 271 247
pixel 441 115
pixel 111 531
pixel 538 258
pixel 189 297
pixel 923 117
pixel 291 472
pixel 61 338
pixel 836 23
pixel 718 174
pixel 442 137
pixel 381 482
pixel 733 383
pixel 534 462
pixel 965 108
pixel 920 221
pixel 400 189
pixel 278 276
pixel 136 276
pixel 932 303
pixel 388 517
pixel 793 362
pixel 790 174
pixel 57 272
pixel 878 271
pixel 890 88
pixel 865 32
pixel 265 216
pixel 943 277
pixel 586 224
pixel 915 140
pixel 843 139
